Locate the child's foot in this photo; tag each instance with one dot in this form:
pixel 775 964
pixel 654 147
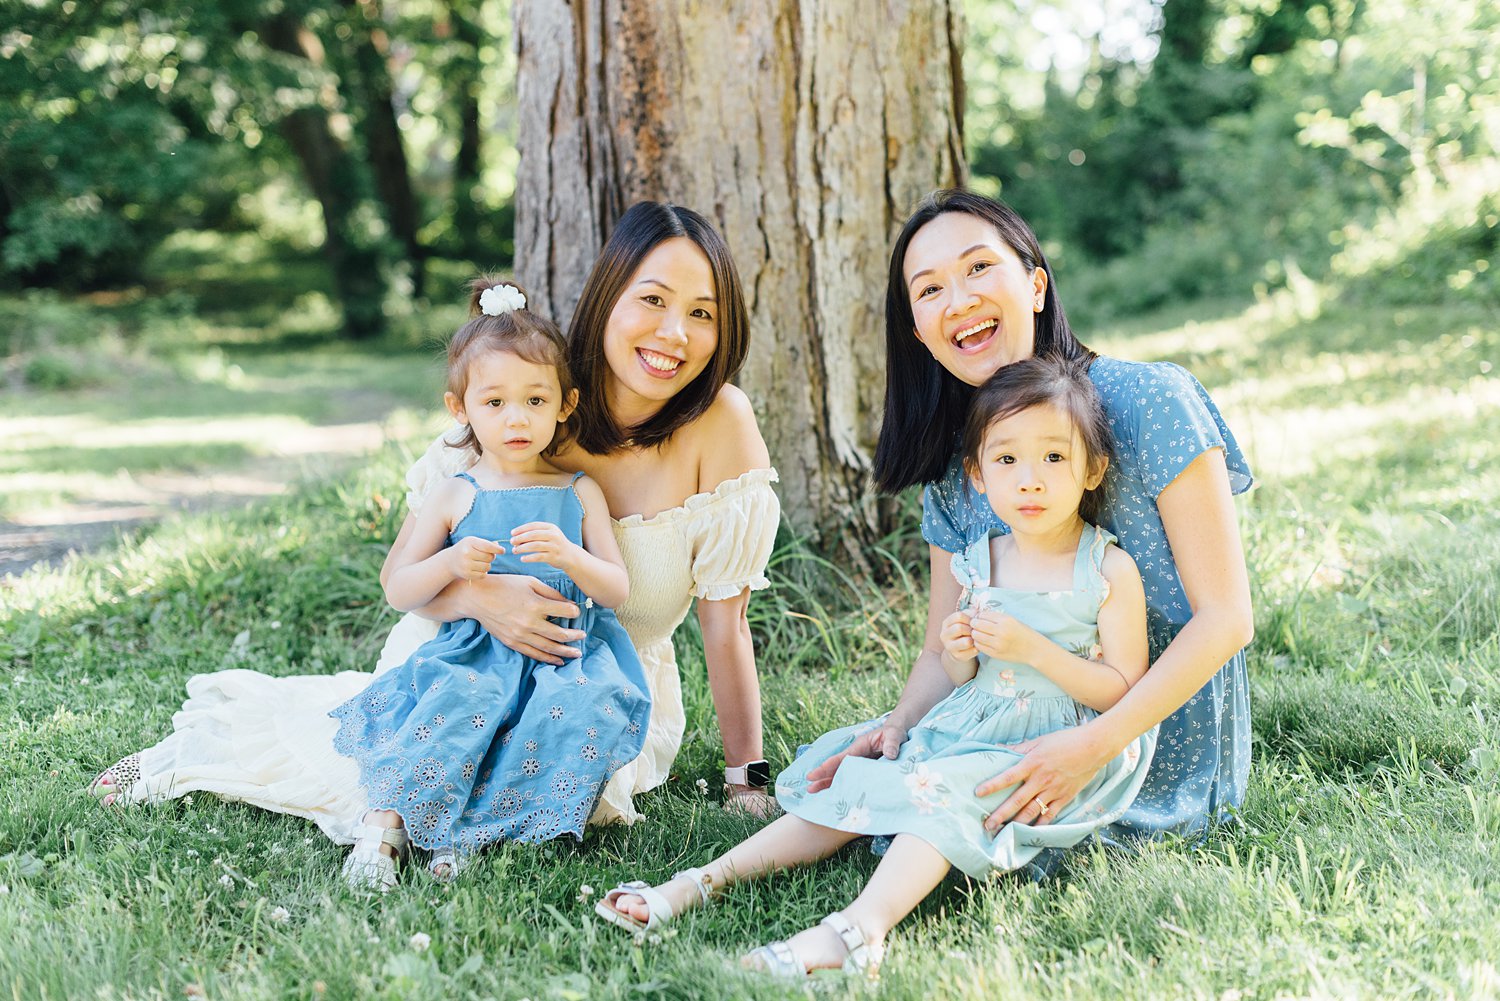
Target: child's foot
pixel 371 865
pixel 833 943
pixel 638 906
pixel 750 800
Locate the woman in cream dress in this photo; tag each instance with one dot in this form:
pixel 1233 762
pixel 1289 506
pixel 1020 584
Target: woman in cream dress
pixel 659 331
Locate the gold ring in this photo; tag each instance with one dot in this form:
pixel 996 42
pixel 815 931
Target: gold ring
pixel 1041 805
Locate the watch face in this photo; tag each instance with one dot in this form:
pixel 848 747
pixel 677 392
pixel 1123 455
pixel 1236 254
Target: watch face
pixel 758 774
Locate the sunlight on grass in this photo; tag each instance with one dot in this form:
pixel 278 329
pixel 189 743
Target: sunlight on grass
pixel 1361 866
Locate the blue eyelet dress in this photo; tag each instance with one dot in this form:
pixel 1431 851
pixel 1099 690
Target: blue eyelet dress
pixel 471 742
pixel 928 789
pixel 1161 419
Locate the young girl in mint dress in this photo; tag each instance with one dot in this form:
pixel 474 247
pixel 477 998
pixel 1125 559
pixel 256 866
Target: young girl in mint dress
pixel 1051 630
pixel 469 742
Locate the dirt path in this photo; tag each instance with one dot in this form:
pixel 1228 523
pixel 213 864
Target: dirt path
pixel 48 535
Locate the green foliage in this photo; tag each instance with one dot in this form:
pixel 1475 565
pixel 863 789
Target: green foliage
pixel 1321 140
pixel 92 163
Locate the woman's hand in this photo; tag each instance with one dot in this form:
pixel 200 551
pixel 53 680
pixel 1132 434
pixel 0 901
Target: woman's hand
pixel 1055 768
pixel 515 610
pixel 884 741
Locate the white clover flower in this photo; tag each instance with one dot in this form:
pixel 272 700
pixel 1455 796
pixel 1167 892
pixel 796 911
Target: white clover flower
pixel 420 941
pixel 280 915
pixel 702 785
pixel 226 880
pixel 585 892
pixel 500 299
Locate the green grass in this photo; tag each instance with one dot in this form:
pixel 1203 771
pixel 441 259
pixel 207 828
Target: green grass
pixel 229 357
pixel 1362 866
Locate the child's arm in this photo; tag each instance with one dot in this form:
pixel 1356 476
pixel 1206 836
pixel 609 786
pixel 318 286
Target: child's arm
pixel 1097 683
pixel 596 566
pixel 959 658
pixel 424 566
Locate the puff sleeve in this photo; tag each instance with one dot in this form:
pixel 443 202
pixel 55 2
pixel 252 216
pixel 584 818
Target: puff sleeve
pixel 733 530
pixel 437 464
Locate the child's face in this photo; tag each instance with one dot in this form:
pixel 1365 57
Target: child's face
pixel 513 405
pixel 1033 470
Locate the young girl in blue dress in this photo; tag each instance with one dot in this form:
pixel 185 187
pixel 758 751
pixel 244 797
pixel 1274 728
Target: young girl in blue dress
pixel 1051 629
pixel 469 742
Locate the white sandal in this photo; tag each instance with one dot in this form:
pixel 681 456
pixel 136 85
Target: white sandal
pixel 449 858
pixel 658 910
pixel 367 867
pixel 777 958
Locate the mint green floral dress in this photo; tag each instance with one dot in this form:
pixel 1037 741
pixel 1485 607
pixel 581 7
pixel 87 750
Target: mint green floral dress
pixel 928 790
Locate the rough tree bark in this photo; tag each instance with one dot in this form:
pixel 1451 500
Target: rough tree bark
pixel 806 129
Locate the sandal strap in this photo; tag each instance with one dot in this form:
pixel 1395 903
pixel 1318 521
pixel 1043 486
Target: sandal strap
pixel 394 836
pixel 779 960
pixel 702 881
pixel 861 957
pixel 658 910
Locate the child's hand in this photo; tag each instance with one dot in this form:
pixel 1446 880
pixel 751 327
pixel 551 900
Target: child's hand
pixel 542 543
pixel 958 636
pixel 471 557
pixel 1003 637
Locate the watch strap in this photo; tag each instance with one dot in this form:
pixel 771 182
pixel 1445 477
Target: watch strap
pixel 755 774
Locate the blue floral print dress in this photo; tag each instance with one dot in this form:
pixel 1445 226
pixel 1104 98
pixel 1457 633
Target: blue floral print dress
pixel 928 789
pixel 471 742
pixel 1161 419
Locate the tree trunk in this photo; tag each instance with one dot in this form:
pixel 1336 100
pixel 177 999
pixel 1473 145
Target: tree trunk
pixel 463 79
pixel 384 150
pixel 336 179
pixel 807 130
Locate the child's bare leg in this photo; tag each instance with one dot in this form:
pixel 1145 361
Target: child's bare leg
pixel 785 842
pixel 910 870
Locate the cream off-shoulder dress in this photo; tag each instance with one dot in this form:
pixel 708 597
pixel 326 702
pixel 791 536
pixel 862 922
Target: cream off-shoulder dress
pixel 268 741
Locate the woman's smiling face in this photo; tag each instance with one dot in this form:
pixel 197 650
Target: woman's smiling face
pixel 973 302
pixel 663 330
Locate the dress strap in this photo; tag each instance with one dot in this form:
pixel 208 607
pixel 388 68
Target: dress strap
pixel 466 476
pixel 1088 565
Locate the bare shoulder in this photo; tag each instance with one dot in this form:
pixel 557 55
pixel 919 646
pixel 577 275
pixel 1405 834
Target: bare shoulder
pixel 450 498
pixel 1120 570
pixel 728 439
pixel 590 495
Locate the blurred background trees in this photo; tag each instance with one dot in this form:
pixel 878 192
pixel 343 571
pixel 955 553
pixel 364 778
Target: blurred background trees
pixel 1164 150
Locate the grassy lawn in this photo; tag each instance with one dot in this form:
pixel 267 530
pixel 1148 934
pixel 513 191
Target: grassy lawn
pixel 1363 865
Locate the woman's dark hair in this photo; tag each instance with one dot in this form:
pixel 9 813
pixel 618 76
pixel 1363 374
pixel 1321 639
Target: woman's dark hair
pixel 521 332
pixel 1044 380
pixel 925 404
pixel 639 231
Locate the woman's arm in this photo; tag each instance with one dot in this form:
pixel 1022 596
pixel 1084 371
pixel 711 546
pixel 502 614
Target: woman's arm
pixel 1198 513
pixel 514 609
pixel 926 686
pixel 596 566
pixel 1098 684
pixel 730 446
